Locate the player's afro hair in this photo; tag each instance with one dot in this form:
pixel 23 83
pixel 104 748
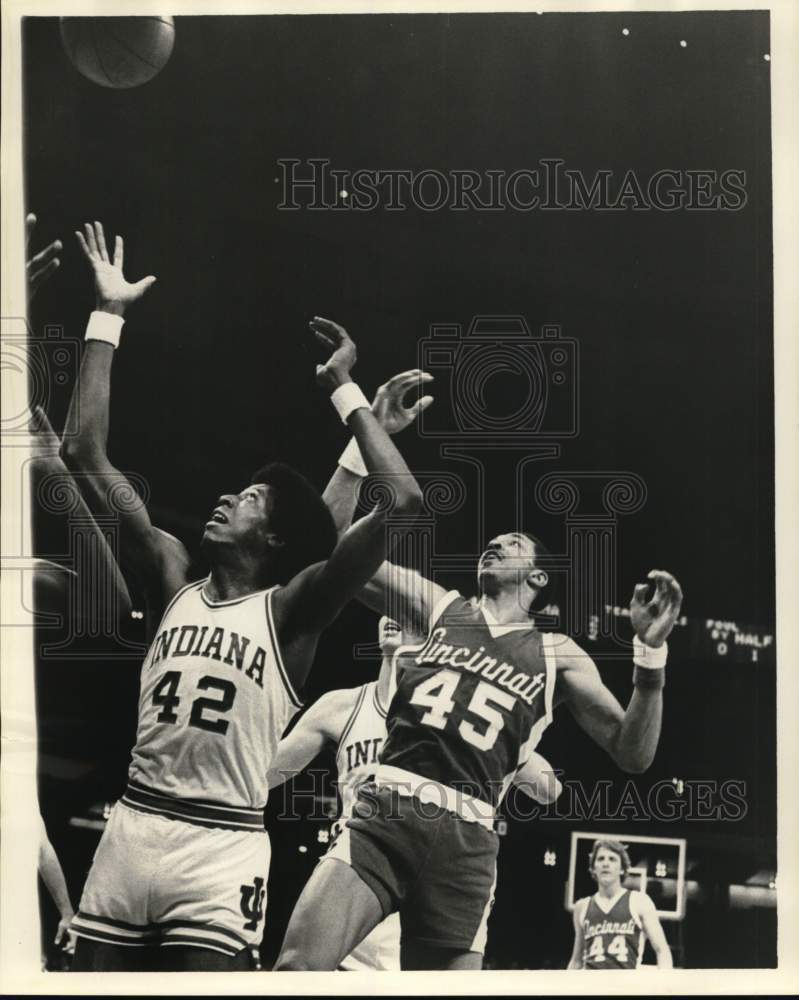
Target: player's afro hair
pixel 300 517
pixel 610 845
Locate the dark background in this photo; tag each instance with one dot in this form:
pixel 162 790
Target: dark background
pixel 672 312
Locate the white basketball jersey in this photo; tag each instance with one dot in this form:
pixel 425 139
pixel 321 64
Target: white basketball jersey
pixel 214 700
pixel 357 759
pixel 359 746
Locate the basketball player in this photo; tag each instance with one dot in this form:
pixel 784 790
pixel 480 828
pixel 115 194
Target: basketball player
pixel 610 927
pixel 469 709
pixel 354 721
pixel 52 582
pixel 183 861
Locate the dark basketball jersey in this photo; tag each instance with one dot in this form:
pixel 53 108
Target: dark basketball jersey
pixel 471 703
pixel 612 939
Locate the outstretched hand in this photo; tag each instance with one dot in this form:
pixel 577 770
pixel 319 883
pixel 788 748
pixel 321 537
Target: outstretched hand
pixel 44 263
pixel 388 405
pixel 114 292
pixel 654 619
pixel 343 353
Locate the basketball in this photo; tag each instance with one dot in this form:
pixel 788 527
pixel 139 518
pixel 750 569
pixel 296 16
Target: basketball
pixel 118 52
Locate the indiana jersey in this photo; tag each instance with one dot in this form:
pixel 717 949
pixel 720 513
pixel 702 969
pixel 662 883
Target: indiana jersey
pixel 359 746
pixel 612 938
pixel 470 703
pixel 356 759
pixel 214 701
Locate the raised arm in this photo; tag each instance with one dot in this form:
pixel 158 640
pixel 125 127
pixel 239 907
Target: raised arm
pixel 321 724
pixel 390 411
pixel 403 594
pixel 313 599
pixel 85 452
pixel 51 582
pixel 537 779
pixel 630 736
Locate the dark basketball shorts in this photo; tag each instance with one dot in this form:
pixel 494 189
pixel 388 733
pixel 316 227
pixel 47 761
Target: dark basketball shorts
pixel 436 868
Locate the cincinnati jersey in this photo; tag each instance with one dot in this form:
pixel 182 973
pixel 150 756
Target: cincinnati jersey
pixel 214 700
pixel 471 703
pixel 612 939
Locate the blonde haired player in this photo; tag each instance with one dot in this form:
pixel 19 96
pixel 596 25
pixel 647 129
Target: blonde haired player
pixel 611 926
pixel 354 721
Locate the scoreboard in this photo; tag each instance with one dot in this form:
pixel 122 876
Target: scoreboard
pixel 711 639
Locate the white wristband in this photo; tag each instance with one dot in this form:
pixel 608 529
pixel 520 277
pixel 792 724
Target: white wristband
pixel 347 398
pixel 646 656
pixel 105 326
pixel 352 460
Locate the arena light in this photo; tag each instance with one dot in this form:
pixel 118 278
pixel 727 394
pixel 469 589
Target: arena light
pixel 550 857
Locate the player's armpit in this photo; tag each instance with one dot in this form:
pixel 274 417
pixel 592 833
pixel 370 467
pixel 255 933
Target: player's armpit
pixel 630 736
pixel 143 550
pixel 404 595
pixel 323 722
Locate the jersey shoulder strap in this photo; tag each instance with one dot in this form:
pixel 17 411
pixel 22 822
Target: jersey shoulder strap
pixel 441 606
pixel 634 903
pixel 351 717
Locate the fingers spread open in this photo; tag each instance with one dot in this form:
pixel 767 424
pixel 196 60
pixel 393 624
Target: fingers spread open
pixel 83 244
pixel 44 256
pixel 100 234
pixel 37 277
pixel 324 340
pixel 414 376
pixel 91 239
